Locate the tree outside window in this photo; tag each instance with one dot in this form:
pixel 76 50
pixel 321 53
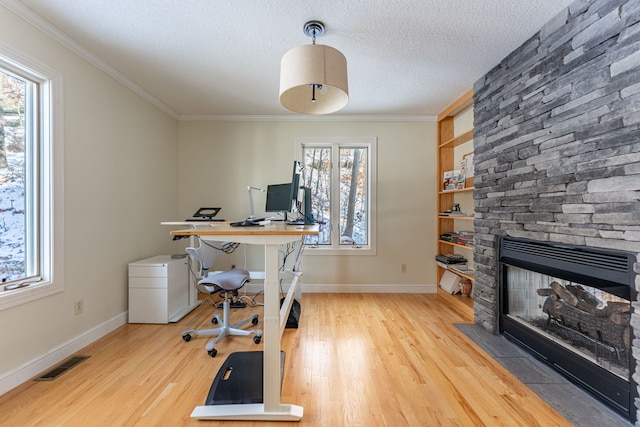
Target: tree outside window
pixel 13 252
pixel 31 202
pixel 341 176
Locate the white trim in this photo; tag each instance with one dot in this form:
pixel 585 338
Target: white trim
pixel 51 153
pixel 370 289
pixel 335 143
pixel 35 366
pixel 338 288
pixel 52 31
pixel 307 118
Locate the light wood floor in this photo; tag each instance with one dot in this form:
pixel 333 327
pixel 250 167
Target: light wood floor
pixel 356 360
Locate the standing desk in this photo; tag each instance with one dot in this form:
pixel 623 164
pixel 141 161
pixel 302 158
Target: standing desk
pixel 275 317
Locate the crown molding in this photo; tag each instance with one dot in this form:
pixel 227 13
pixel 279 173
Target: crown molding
pixel 55 33
pixel 307 118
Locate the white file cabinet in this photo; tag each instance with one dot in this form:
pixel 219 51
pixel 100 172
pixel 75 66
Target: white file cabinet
pixel 158 290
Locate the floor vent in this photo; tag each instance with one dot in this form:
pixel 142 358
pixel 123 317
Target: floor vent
pixel 62 368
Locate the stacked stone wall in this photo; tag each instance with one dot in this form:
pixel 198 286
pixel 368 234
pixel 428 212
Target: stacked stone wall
pixel 557 143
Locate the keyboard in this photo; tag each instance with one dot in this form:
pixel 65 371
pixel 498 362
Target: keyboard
pixel 245 224
pixel 204 220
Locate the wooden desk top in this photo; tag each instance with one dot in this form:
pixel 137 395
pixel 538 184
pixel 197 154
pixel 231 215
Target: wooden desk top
pixel 223 228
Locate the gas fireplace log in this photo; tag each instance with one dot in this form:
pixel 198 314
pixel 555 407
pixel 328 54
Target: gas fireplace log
pixel 613 311
pixel 619 318
pixel 586 301
pixel 615 333
pixel 576 296
pixel 544 292
pixel 619 306
pixel 563 293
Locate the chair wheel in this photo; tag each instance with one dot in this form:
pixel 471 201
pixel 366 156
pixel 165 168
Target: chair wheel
pixel 254 320
pixel 186 338
pixel 212 352
pixel 257 339
pixel 214 320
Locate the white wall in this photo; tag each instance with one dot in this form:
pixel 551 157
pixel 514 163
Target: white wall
pixel 120 175
pixel 129 166
pixel 219 159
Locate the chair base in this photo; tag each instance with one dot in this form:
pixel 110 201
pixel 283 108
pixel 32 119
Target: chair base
pixel 225 329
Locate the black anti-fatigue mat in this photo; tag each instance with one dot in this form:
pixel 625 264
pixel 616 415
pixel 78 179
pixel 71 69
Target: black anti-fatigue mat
pixel 239 379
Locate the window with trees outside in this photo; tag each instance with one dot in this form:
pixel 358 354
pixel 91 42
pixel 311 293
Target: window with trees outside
pixel 341 173
pixel 30 191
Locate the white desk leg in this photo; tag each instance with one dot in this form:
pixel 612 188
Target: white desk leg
pixel 271 338
pixel 271 408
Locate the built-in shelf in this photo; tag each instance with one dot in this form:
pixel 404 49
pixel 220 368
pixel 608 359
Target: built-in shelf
pixel 458 140
pixel 456 217
pixel 460 190
pixel 456 244
pixel 466 276
pixel 450 151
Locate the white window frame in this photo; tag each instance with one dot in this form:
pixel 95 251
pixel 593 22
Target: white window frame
pixel 336 248
pixel 48 183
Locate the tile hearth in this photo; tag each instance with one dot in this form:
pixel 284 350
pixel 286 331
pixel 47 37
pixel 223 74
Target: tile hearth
pixel 575 404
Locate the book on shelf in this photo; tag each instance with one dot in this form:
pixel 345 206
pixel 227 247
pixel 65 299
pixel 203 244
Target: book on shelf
pixel 454 213
pixel 467 165
pixel 463 238
pixel 467 168
pixel 442 264
pixel 450 282
pixel 453 180
pixel 459 268
pixel 451 259
pixel 462 269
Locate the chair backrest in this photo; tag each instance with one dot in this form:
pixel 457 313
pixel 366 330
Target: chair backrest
pixel 206 254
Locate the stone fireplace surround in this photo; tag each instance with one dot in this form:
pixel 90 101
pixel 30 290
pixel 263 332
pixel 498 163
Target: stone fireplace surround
pixel 557 144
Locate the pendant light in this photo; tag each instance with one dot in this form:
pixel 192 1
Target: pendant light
pixel 313 77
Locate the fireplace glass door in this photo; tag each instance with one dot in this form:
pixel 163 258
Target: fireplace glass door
pixel 570 306
pixel 585 320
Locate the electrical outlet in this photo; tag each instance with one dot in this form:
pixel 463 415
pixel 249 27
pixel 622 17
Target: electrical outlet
pixel 78 307
pixel 403 268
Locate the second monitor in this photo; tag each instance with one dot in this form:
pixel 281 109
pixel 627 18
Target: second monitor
pixel 281 198
pixel 278 198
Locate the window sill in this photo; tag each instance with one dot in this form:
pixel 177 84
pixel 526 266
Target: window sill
pixel 347 250
pixel 27 294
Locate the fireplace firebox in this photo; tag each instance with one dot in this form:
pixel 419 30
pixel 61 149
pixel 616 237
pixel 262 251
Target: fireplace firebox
pixel 570 306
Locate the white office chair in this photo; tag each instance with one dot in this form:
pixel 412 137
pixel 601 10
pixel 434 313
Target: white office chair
pixel 226 284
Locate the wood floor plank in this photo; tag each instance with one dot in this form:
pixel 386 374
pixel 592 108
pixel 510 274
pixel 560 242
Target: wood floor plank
pixel 356 360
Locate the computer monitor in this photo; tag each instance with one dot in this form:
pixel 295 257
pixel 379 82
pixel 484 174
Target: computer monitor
pixel 306 210
pixel 295 187
pixel 300 197
pixel 278 198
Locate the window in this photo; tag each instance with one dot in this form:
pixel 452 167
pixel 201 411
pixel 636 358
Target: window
pixel 30 192
pixel 341 173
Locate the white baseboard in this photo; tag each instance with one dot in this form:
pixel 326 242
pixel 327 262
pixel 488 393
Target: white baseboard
pixel 356 289
pixel 35 366
pixel 370 289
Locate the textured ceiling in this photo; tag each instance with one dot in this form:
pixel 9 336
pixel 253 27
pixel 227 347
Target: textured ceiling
pixel 211 58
